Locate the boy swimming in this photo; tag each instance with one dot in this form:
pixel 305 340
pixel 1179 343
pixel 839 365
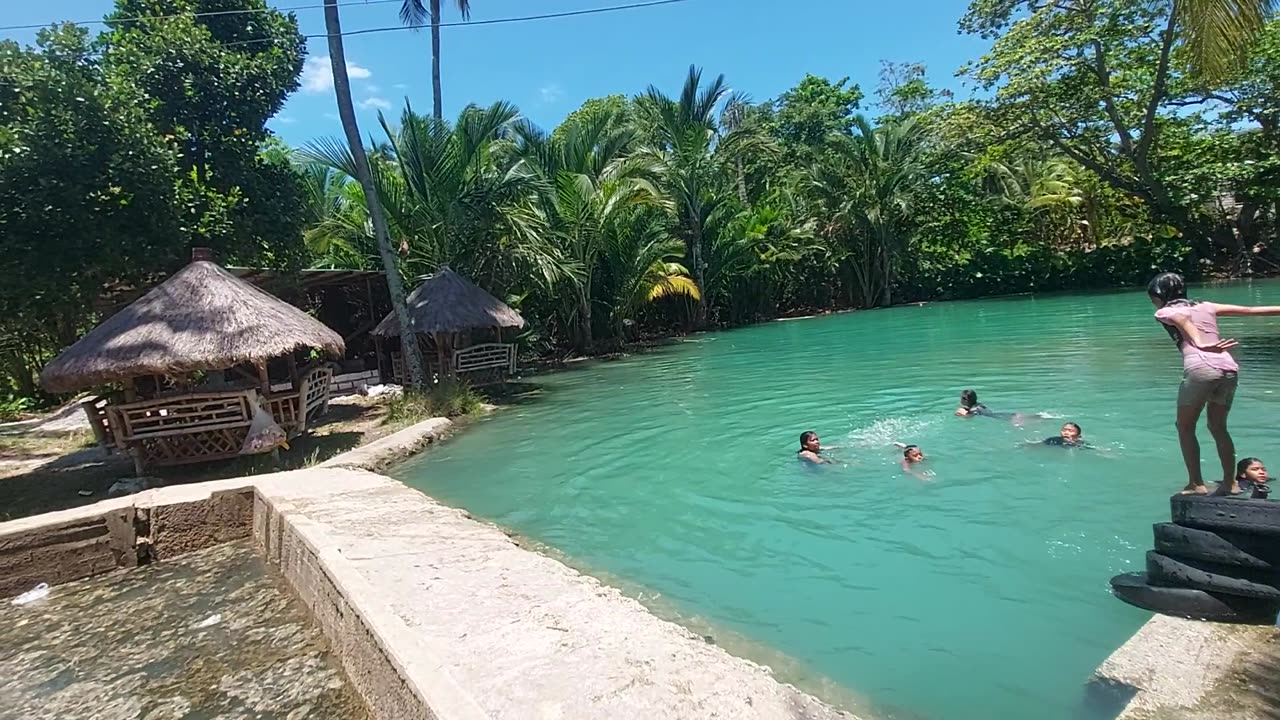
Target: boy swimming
pixel 912 455
pixel 1070 436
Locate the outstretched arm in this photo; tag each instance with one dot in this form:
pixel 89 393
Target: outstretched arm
pixel 1246 309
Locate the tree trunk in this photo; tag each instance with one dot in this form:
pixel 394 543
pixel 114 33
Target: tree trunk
pixel 342 89
pixel 584 320
pixel 699 274
pixel 436 103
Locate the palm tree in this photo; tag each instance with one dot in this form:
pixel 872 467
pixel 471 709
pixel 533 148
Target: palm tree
pixel 1218 33
pixel 693 158
pixel 589 182
pixel 413 13
pixel 342 89
pixel 864 191
pixel 642 265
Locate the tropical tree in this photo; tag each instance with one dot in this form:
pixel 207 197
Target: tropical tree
pixel 360 166
pixel 691 156
pixel 590 182
pixel 864 192
pixel 1219 33
pixel 414 13
pixel 642 264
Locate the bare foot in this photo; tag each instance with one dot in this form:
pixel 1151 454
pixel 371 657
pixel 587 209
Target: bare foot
pixel 1194 490
pixel 1227 488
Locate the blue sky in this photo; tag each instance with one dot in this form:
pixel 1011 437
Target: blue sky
pixel 549 67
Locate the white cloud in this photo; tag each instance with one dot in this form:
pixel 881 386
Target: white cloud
pixel 375 103
pixel 372 88
pixel 317 76
pixel 400 86
pixel 551 93
pixel 286 120
pixel 331 116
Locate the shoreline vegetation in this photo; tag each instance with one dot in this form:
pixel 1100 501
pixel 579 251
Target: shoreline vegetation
pixel 652 213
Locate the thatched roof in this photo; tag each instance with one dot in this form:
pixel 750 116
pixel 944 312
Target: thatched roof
pixel 448 302
pixel 201 318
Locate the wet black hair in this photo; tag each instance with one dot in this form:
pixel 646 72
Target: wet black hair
pixel 968 398
pixel 1076 426
pixel 1244 465
pixel 806 436
pixel 906 450
pixel 1169 289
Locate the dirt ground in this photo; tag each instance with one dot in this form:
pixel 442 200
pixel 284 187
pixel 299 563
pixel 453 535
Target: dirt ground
pixel 54 464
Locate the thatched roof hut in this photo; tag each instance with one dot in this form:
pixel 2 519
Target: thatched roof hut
pixel 201 318
pixel 446 302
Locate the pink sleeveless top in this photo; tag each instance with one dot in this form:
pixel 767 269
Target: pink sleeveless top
pixel 1205 318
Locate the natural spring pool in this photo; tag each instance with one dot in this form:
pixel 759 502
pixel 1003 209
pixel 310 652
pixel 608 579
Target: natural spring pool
pixel 980 593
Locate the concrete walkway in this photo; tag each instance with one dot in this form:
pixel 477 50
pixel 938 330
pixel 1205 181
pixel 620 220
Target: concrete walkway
pixel 433 614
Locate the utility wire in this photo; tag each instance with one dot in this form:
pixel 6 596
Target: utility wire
pixel 211 13
pixel 367 31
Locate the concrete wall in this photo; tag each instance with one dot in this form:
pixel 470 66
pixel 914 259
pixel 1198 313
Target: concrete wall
pixel 432 614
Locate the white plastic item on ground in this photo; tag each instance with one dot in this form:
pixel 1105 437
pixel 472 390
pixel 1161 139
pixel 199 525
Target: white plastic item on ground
pixel 129 486
pixel 387 390
pixel 38 592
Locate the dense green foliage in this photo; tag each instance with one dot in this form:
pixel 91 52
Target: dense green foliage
pixel 121 153
pixel 1106 148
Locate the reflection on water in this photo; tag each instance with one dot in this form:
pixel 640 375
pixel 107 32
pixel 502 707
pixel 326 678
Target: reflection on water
pixel 980 592
pixel 210 635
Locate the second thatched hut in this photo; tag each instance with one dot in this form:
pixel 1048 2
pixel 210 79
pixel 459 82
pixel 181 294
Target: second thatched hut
pixel 463 331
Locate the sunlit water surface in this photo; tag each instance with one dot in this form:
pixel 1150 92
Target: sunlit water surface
pixel 980 593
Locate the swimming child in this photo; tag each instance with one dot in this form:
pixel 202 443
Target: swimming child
pixel 1251 477
pixel 911 455
pixel 810 449
pixel 969 405
pixel 1070 437
pixel 1209 373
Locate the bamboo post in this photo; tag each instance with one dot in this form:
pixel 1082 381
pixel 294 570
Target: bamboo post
pixel 264 379
pixel 377 352
pixel 130 390
pixel 445 364
pixel 293 371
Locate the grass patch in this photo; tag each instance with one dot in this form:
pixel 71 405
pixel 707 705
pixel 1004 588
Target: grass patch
pixel 451 398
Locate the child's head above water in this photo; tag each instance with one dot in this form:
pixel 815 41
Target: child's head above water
pixel 1071 432
pixel 1251 469
pixel 809 441
pixel 968 398
pixel 1166 288
pixel 912 454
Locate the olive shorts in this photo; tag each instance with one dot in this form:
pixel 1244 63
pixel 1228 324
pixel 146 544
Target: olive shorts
pixel 1207 385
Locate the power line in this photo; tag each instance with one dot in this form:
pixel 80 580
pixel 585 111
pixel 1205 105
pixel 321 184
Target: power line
pixel 211 13
pixel 495 21
pixel 367 31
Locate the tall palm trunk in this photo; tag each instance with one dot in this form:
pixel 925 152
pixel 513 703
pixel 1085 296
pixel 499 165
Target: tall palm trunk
pixel 346 111
pixel 436 101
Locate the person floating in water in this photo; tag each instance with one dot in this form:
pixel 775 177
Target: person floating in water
pixel 1209 373
pixel 811 449
pixel 1070 436
pixel 1251 477
pixel 969 405
pixel 912 455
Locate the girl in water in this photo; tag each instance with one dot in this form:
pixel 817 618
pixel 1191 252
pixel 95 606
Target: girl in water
pixel 1209 374
pixel 1251 476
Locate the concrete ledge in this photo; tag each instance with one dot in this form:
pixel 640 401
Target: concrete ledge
pixel 435 615
pixel 1171 665
pixel 382 453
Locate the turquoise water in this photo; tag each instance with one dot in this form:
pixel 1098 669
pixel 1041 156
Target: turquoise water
pixel 979 593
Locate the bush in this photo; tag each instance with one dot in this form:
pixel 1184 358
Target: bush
pixel 450 398
pixel 13 408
